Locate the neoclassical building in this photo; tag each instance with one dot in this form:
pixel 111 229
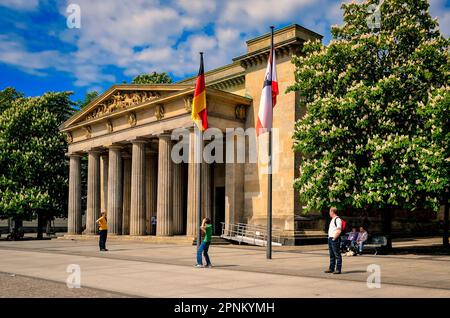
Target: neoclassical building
pixel 126 135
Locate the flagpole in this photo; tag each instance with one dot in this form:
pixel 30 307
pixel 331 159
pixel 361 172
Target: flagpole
pixel 269 181
pixel 199 158
pixel 198 138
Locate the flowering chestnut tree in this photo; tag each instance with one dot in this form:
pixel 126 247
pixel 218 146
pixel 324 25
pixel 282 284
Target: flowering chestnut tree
pixel 33 167
pixel 376 131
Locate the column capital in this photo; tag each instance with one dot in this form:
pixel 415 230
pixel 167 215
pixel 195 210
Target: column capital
pixel 164 134
pixel 94 152
pixel 114 147
pixel 74 154
pixel 139 140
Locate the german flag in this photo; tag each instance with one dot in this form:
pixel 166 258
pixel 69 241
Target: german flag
pixel 199 103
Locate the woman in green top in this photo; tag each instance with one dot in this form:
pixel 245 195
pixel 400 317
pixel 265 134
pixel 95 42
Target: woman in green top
pixel 207 228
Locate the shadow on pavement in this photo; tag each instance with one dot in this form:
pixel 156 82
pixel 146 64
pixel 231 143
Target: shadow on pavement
pixel 353 272
pixel 221 266
pixel 431 250
pixel 4 239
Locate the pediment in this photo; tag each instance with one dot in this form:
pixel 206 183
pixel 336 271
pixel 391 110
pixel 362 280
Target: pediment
pixel 121 97
pixel 121 100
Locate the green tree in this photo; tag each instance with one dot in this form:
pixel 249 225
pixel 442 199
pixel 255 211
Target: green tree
pixel 435 114
pixel 375 104
pixel 89 97
pixel 34 170
pixel 7 97
pixel 153 78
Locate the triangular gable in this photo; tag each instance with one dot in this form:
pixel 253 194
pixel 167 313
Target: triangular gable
pixel 120 97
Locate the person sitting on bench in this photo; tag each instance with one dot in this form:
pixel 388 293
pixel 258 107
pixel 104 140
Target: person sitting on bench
pixel 361 239
pixel 351 239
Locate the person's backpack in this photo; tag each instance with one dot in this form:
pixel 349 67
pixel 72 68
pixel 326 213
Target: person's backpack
pixel 344 224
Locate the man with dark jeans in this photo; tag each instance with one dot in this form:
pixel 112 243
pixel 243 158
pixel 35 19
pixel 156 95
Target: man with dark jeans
pixel 103 231
pixel 334 242
pixel 207 228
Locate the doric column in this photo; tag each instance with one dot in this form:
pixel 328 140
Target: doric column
pixel 74 204
pixel 178 186
pixel 137 218
pixel 164 225
pixel 114 211
pixel 206 190
pixel 93 191
pixel 151 189
pixel 126 193
pixel 104 182
pixel 193 181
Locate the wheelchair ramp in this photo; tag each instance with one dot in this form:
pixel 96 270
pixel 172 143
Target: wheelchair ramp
pixel 249 234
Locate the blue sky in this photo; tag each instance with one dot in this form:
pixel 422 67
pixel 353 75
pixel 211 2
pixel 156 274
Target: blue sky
pixel 119 39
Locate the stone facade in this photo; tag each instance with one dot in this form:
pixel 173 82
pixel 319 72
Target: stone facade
pixel 128 122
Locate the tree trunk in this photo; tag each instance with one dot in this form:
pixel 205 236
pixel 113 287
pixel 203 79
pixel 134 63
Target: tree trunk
pixel 40 226
pixel 387 227
pixel 445 240
pixel 18 224
pixel 18 227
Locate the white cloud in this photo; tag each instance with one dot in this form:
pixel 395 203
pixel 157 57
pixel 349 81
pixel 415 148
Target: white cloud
pixel 25 5
pixel 15 53
pixel 197 7
pixel 143 36
pixel 255 11
pixel 89 74
pixel 438 10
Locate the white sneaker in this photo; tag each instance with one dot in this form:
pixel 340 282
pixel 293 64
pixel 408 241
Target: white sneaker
pixel 198 266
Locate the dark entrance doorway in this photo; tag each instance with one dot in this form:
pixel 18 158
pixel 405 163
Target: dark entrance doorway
pixel 219 209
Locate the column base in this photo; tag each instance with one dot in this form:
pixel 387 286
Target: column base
pixel 175 239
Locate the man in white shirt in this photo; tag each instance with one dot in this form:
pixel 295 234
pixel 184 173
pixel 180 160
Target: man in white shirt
pixel 334 242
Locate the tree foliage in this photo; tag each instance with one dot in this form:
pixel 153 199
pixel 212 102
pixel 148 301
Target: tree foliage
pixel 376 129
pixel 89 97
pixel 153 78
pixel 33 167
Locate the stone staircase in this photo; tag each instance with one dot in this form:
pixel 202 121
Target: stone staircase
pixel 216 240
pixel 310 237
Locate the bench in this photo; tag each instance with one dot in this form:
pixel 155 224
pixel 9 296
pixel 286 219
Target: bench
pixel 376 242
pixel 4 231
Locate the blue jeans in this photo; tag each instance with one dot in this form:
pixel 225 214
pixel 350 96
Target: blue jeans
pixel 335 254
pixel 102 240
pixel 361 246
pixel 203 249
pixel 346 243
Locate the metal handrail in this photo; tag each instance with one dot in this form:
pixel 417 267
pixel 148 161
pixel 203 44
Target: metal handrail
pixel 239 231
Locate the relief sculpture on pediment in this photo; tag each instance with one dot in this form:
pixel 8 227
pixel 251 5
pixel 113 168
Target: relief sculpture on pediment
pixel 122 100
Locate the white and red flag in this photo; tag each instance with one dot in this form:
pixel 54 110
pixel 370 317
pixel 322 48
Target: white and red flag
pixel 268 96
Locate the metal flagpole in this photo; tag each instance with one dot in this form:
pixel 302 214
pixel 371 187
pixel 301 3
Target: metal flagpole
pixel 198 137
pixel 269 183
pixel 199 158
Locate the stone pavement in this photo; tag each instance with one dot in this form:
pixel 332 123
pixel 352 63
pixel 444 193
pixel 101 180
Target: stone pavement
pixel 15 286
pixel 166 270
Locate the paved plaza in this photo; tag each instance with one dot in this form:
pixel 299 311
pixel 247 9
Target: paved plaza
pixel 136 269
